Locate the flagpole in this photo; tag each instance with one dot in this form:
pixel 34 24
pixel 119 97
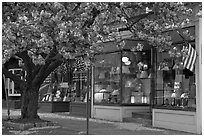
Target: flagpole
pixel 87 101
pixel 184 40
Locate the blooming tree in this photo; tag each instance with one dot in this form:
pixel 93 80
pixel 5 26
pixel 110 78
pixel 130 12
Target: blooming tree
pixel 44 35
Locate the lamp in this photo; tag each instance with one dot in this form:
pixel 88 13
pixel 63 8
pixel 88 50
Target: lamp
pixel 173 95
pixel 178 65
pixel 125 59
pixel 175 66
pixel 115 92
pixel 144 99
pixel 145 67
pixel 127 62
pixel 165 68
pixel 132 99
pixel 164 65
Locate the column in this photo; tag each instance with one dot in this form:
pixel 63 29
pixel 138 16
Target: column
pixel 198 74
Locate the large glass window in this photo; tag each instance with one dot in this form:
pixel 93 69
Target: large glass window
pixel 175 85
pixel 136 81
pixel 107 78
pixel 123 78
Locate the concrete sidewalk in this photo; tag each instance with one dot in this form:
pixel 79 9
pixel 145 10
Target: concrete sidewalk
pixel 67 125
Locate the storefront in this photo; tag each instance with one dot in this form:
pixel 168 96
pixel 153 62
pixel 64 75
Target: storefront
pixel 177 96
pixel 122 80
pixel 150 81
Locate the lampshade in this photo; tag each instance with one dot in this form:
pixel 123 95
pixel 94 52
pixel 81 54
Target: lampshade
pixel 144 74
pixel 145 67
pixel 184 95
pixel 178 66
pixel 115 92
pixel 125 59
pixel 103 90
pixel 127 63
pixel 175 66
pixel 173 95
pixel 132 99
pixel 165 68
pixel 164 65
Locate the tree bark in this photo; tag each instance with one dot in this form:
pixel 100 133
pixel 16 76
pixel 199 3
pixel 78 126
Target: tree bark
pixel 29 102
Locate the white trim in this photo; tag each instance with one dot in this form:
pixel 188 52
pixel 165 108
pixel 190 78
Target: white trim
pixel 175 119
pixel 116 113
pixel 198 73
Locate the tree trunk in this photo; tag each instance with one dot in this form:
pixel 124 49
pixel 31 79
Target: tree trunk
pixel 29 102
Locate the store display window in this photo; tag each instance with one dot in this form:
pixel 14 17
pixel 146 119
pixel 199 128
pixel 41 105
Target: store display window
pixel 175 85
pixel 107 78
pixel 136 77
pixel 123 78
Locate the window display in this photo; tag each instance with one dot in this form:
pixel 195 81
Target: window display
pixel 122 77
pixel 175 85
pixel 136 70
pixel 107 78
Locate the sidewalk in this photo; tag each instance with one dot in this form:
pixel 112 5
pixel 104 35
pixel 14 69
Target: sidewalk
pixel 71 125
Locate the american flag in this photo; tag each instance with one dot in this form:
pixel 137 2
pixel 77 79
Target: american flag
pixel 189 60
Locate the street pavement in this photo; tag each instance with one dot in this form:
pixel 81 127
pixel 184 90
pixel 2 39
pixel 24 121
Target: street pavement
pixel 66 124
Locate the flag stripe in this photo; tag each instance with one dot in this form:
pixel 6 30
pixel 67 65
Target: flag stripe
pixel 186 59
pixel 189 63
pixel 190 59
pixel 193 61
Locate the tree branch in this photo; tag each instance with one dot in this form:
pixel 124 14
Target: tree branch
pixel 42 75
pixel 133 20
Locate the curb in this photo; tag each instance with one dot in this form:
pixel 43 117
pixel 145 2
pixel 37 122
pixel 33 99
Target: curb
pixel 25 126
